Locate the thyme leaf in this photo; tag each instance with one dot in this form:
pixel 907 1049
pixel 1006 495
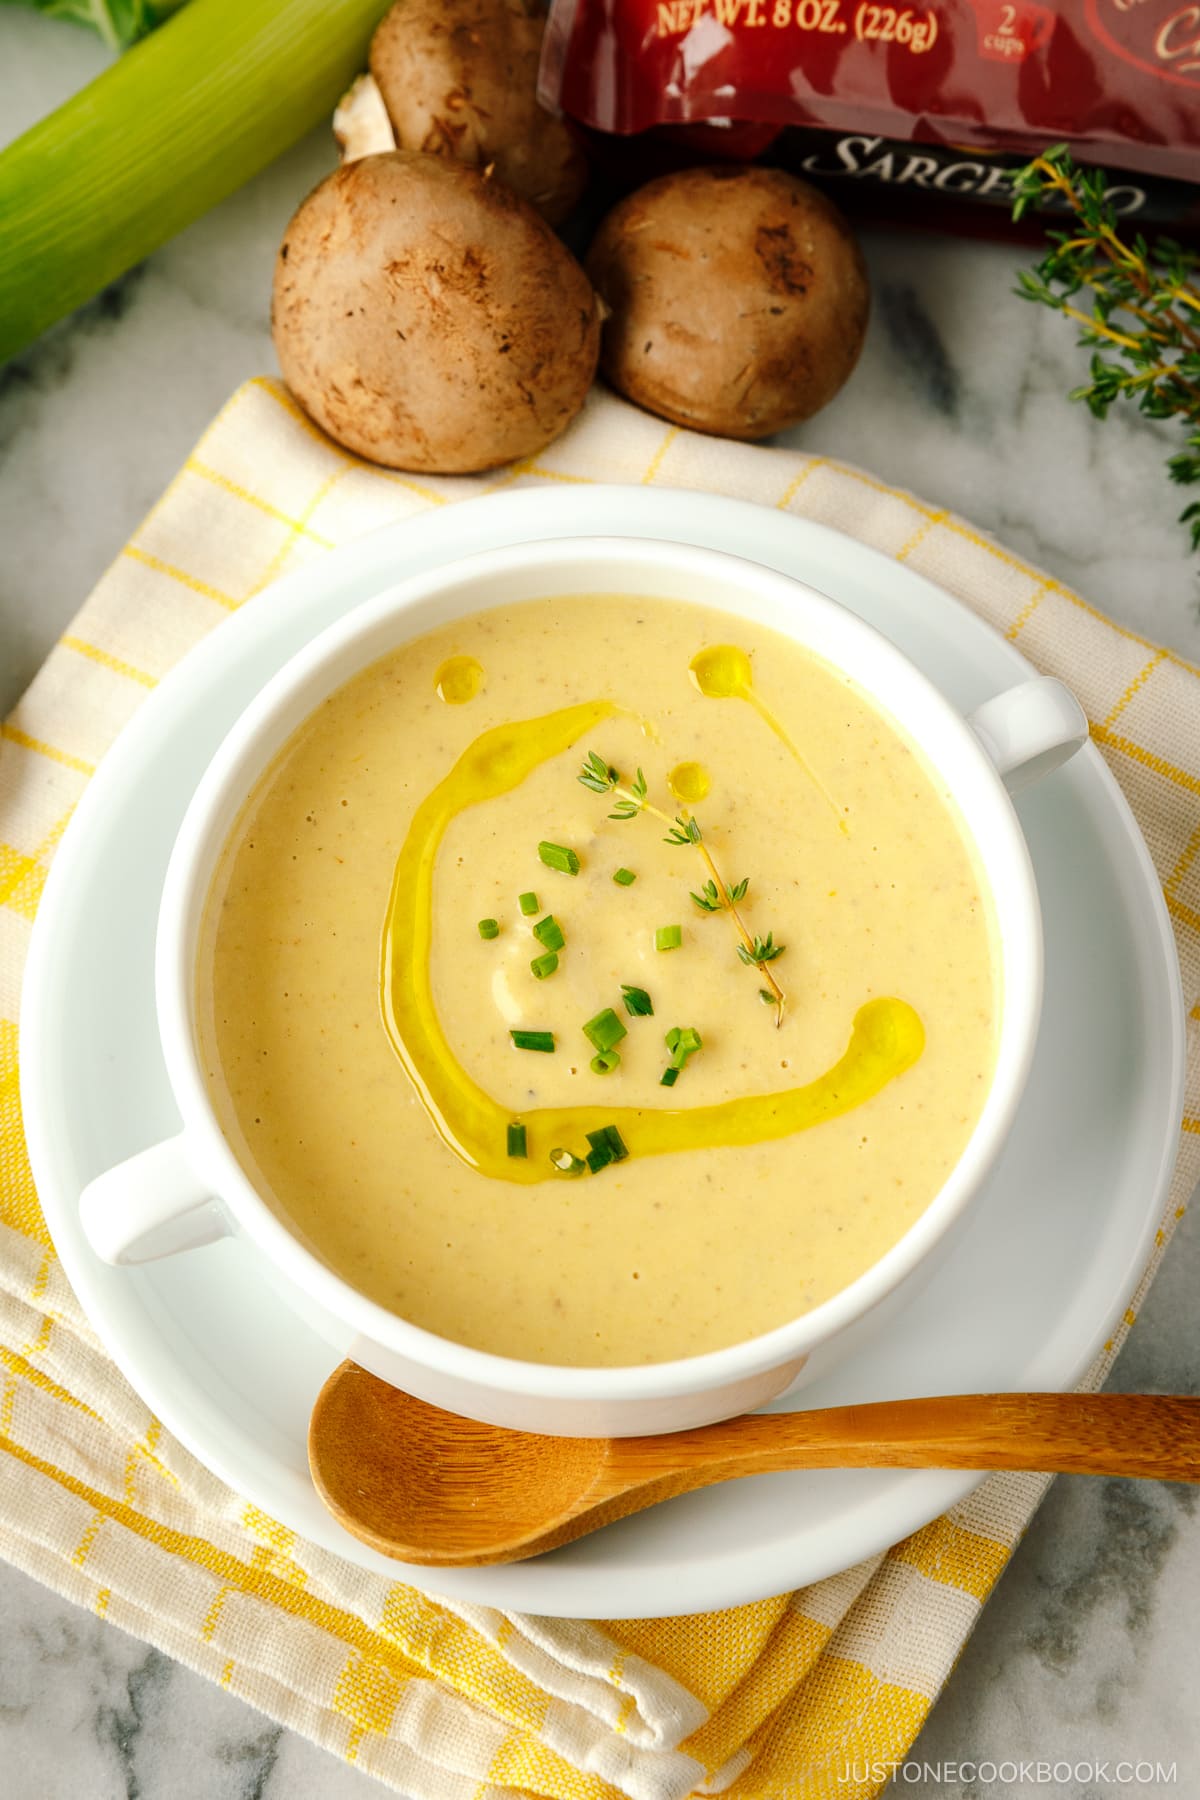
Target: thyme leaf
pixel 631 798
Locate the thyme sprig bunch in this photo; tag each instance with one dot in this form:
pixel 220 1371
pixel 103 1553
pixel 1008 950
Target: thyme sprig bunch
pixel 1144 324
pixel 631 798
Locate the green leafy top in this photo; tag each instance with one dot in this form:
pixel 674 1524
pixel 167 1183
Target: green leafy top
pixel 119 22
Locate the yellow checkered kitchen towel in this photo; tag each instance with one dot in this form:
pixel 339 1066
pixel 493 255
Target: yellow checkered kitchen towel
pixel 776 1700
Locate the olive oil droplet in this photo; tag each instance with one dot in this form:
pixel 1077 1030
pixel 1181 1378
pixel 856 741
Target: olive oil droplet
pixel 721 672
pixel 458 680
pixel 689 781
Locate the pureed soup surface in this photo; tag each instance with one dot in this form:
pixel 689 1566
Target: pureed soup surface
pixel 782 1162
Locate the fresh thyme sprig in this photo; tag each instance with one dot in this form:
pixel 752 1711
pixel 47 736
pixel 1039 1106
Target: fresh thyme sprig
pixel 761 952
pixel 709 900
pixel 1145 306
pixel 632 798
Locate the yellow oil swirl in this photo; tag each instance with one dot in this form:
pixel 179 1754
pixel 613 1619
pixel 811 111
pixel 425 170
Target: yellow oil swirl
pixel 887 1035
pixel 458 680
pixel 723 672
pixel 690 781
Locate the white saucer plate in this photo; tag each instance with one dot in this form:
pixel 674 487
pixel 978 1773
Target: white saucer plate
pixel 1025 1299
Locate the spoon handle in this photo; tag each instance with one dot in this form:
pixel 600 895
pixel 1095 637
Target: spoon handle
pixel 1147 1435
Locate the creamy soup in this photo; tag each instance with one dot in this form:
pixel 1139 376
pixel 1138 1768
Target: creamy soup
pixel 556 1084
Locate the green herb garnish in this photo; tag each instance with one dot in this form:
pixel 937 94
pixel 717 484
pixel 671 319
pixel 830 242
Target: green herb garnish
pixel 602 778
pixel 624 877
pixel 1144 324
pixel 549 933
pixel 558 856
pixel 632 798
pixel 709 899
pixel 516 1141
pixel 605 1061
pixel 761 951
pixel 532 1040
pixel 567 1163
pixel 637 1001
pixel 544 965
pixel 609 1135
pixel 489 928
pixel 528 904
pixel 607 1147
pixel 684 830
pixel 682 1043
pixel 605 1031
pixel 668 937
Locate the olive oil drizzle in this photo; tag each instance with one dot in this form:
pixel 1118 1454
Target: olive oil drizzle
pixel 723 672
pixel 886 1038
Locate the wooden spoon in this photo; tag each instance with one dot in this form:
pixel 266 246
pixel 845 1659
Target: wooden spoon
pixel 429 1487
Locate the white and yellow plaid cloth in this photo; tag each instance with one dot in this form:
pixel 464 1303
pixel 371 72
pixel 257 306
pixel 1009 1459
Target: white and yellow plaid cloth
pixel 775 1701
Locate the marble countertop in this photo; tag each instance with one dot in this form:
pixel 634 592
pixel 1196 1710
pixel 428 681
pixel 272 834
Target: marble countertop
pixel 1089 1651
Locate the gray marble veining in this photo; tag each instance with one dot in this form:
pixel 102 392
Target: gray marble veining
pixel 1089 1651
pixel 89 1713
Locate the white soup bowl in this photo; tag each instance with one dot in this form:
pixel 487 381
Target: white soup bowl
pixel 191 1189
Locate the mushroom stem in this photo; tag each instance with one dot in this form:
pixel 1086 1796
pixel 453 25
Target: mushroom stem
pixel 360 122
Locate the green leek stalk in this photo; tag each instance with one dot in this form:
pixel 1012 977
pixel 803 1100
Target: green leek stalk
pixel 182 120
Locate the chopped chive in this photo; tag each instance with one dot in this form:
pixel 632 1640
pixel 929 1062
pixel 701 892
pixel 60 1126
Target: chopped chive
pixel 557 856
pixel 532 1040
pixel 637 1002
pixel 605 1061
pixel 624 877
pixel 489 928
pixel 669 1077
pixel 516 1141
pixel 598 1157
pixel 549 933
pixel 682 1043
pixel 668 937
pixel 766 996
pixel 528 903
pixel 605 1031
pixel 567 1163
pixel 611 1137
pixel 544 965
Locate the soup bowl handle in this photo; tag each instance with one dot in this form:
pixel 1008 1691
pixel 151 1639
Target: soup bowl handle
pixel 152 1205
pixel 1030 730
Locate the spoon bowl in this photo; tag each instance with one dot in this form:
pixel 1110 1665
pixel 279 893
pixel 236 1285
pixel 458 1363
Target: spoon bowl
pixel 397 1471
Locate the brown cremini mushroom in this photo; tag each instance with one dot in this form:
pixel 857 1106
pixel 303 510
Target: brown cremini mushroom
pixel 459 79
pixel 429 319
pixel 738 299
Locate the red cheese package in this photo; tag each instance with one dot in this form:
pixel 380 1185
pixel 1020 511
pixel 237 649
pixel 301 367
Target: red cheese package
pixel 913 103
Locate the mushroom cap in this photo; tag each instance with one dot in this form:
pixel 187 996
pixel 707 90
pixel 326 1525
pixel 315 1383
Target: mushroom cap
pixel 459 80
pixel 428 319
pixel 738 299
